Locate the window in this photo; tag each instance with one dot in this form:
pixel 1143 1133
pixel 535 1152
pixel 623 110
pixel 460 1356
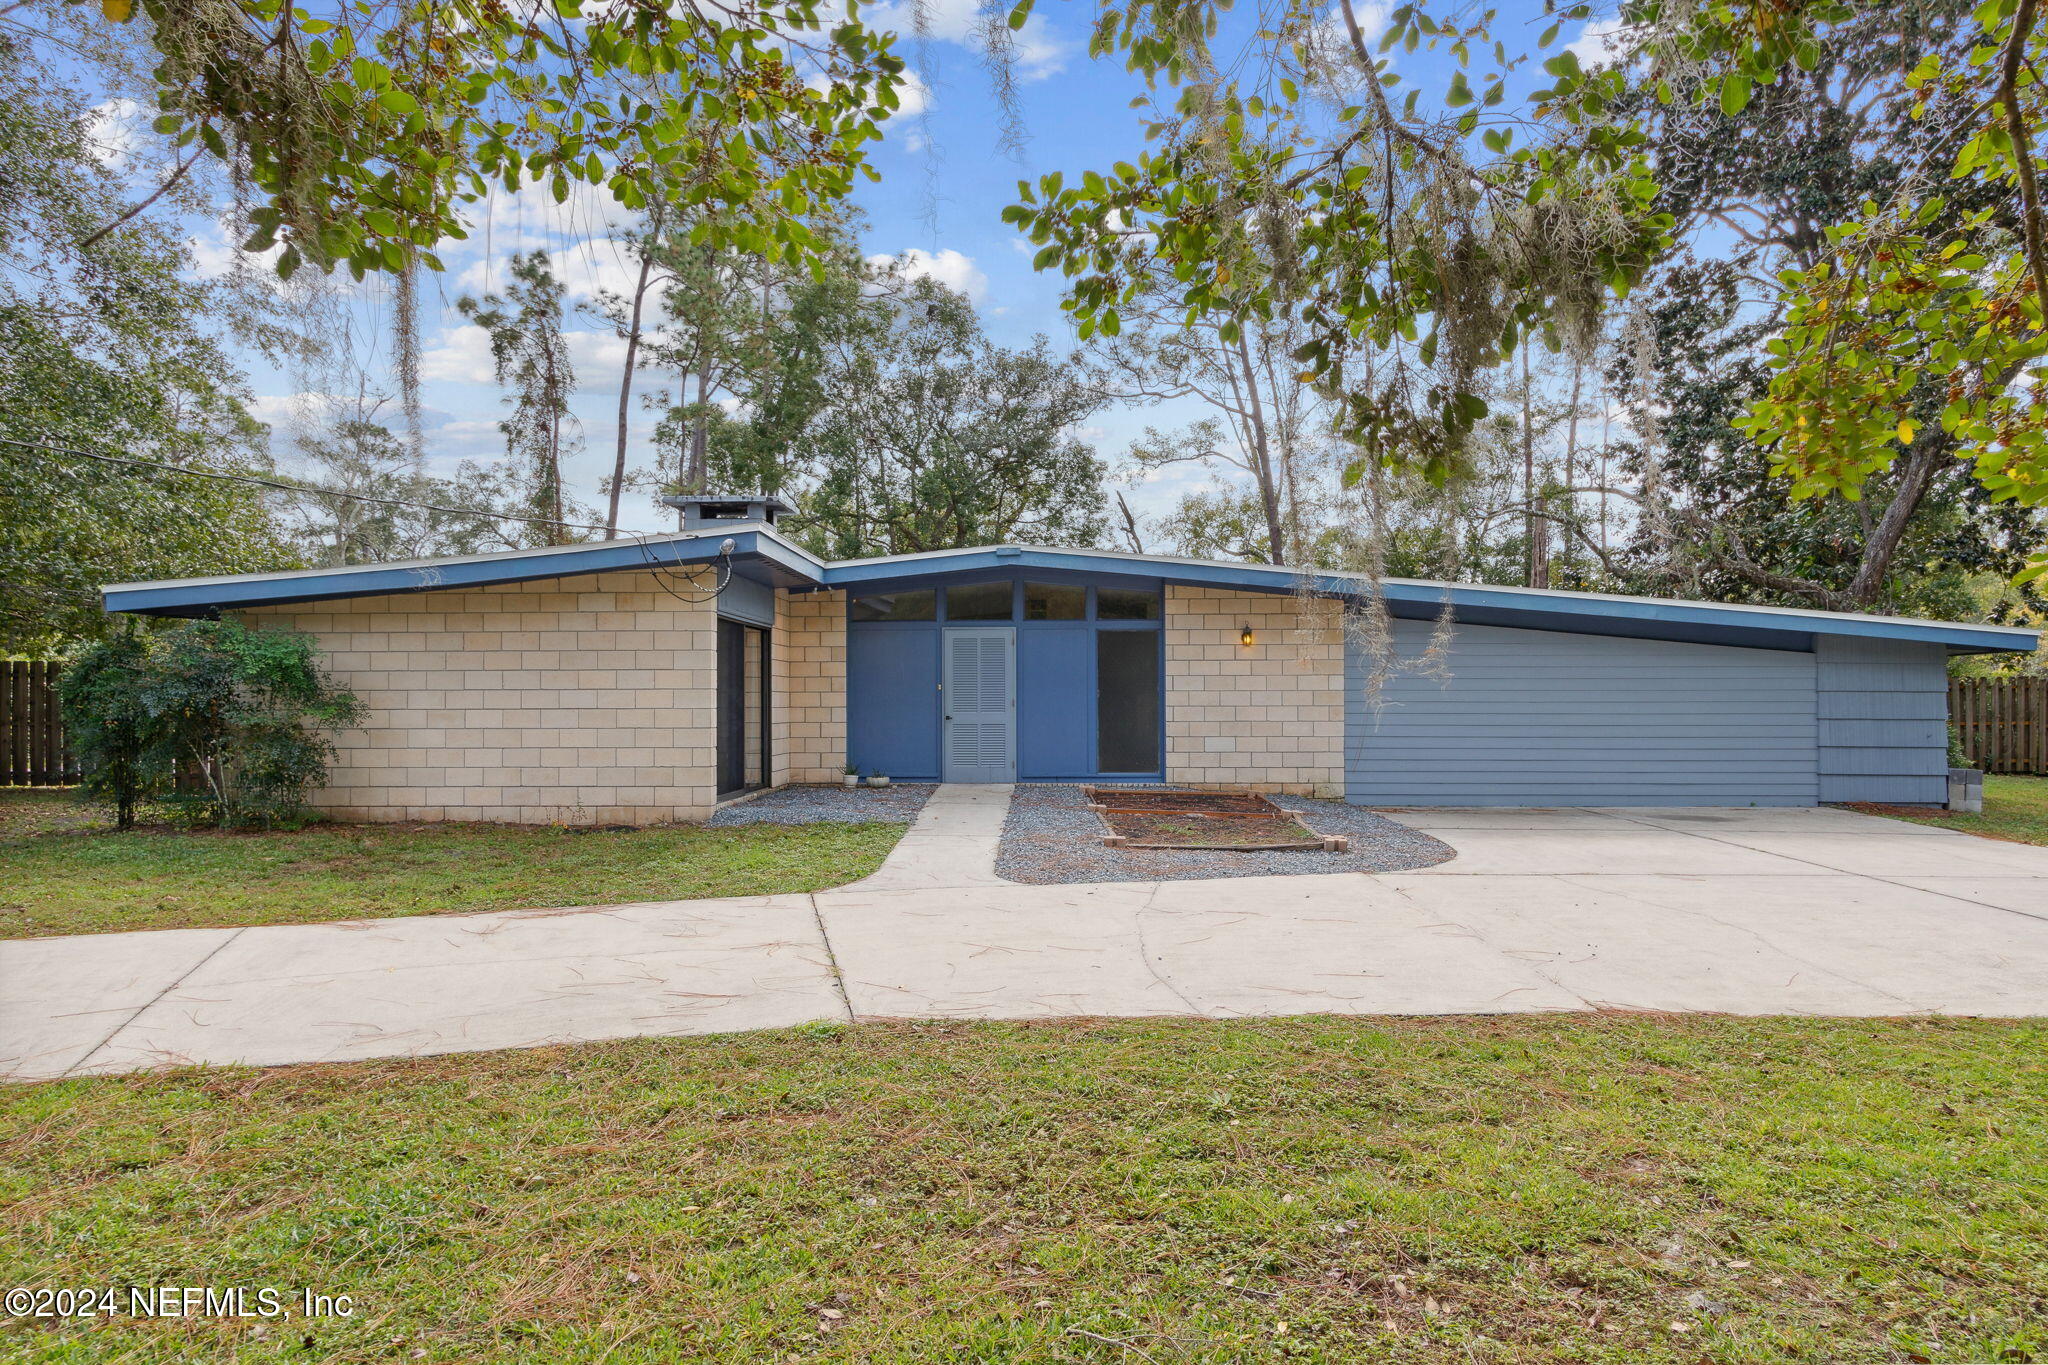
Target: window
pixel 1127 701
pixel 916 605
pixel 978 602
pixel 1126 604
pixel 1055 601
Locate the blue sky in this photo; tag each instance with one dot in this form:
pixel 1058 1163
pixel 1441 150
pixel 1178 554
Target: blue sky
pixel 945 180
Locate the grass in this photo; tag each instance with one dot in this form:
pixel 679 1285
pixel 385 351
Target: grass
pixel 68 872
pixel 1514 1189
pixel 2015 808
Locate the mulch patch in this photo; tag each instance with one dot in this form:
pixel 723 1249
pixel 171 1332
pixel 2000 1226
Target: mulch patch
pixel 1170 817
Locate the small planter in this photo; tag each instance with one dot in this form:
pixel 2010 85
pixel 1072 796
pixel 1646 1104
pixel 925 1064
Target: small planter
pixel 1966 790
pixel 878 780
pixel 850 779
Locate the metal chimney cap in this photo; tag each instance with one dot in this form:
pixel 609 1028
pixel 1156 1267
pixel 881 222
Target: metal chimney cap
pixel 710 511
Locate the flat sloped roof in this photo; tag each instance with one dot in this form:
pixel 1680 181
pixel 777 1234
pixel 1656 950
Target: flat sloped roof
pixel 760 553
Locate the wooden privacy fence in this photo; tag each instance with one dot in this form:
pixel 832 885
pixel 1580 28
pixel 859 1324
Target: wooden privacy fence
pixel 32 748
pixel 2003 722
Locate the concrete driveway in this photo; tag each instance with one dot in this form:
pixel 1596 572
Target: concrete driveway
pixel 1744 911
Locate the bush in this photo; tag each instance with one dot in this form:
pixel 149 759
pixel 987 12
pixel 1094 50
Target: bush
pixel 1958 756
pixel 247 714
pixel 107 725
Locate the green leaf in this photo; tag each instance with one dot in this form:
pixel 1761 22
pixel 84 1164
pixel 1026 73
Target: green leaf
pixel 399 101
pixel 1735 93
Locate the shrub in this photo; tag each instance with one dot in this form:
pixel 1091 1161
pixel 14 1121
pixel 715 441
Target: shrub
pixel 247 713
pixel 117 741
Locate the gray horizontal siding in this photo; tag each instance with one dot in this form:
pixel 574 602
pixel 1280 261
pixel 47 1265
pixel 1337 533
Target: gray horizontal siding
pixel 1547 718
pixel 1884 711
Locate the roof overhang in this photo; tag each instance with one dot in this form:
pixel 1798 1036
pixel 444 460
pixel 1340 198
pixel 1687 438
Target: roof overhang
pixel 757 553
pixel 760 554
pixel 1760 627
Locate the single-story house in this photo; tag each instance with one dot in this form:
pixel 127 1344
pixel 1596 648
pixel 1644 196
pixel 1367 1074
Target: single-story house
pixel 650 679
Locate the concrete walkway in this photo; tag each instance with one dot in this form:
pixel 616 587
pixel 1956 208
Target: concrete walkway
pixel 1746 911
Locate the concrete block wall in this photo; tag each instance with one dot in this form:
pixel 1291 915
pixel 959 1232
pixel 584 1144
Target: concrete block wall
pixel 577 700
pixel 1269 715
pixel 810 686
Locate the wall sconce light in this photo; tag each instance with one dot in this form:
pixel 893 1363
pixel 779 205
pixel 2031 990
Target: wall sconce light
pixel 1245 636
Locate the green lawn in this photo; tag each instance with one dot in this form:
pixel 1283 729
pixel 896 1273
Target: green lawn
pixel 67 872
pixel 1518 1189
pixel 2015 808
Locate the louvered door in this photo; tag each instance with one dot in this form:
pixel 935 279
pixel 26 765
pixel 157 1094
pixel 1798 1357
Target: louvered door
pixel 979 696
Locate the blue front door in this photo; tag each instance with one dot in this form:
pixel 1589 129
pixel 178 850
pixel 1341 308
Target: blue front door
pixel 979 702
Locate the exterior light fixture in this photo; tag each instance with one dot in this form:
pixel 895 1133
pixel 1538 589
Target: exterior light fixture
pixel 1245 636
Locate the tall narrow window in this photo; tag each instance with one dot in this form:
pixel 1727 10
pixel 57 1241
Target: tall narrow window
pixel 1127 701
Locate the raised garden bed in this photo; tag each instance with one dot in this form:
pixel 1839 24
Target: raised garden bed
pixel 1227 821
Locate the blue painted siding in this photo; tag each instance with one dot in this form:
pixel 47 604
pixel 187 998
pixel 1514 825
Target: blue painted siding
pixel 1550 718
pixel 1055 701
pixel 1883 707
pixel 892 709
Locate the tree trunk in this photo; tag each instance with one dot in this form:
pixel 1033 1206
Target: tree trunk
pixel 1269 493
pixel 695 476
pixel 1537 529
pixel 653 239
pixel 1882 544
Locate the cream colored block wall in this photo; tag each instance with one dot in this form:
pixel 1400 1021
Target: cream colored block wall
pixel 576 700
pixel 1269 715
pixel 810 688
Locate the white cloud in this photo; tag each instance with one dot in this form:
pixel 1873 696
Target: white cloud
pixel 1039 52
pixel 1600 43
pixel 598 358
pixel 949 267
pixel 216 252
pixel 1330 39
pixel 583 267
pixel 913 95
pixel 461 356
pixel 504 221
pixel 119 133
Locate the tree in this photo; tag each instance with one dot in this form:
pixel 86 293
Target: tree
pixel 530 355
pixel 108 726
pixel 1768 179
pixel 368 501
pixel 366 129
pixel 927 436
pixel 627 314
pixel 1412 247
pixel 1912 332
pixel 714 322
pixel 1271 428
pixel 108 347
pixel 249 711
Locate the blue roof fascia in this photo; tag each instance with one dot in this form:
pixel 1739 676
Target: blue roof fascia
pixel 770 558
pixel 1707 621
pixel 1537 609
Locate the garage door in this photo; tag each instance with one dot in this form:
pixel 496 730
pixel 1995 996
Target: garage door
pixel 1546 718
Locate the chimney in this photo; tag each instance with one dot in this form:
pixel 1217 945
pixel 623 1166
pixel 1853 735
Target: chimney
pixel 709 512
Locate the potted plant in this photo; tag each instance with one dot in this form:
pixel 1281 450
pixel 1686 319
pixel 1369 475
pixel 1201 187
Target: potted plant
pixel 850 776
pixel 878 778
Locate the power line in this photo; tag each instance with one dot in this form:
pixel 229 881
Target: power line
pixel 261 482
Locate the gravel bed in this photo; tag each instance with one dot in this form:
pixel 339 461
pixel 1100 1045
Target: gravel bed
pixel 1051 838
pixel 896 804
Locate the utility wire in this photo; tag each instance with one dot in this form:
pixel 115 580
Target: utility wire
pixel 261 482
